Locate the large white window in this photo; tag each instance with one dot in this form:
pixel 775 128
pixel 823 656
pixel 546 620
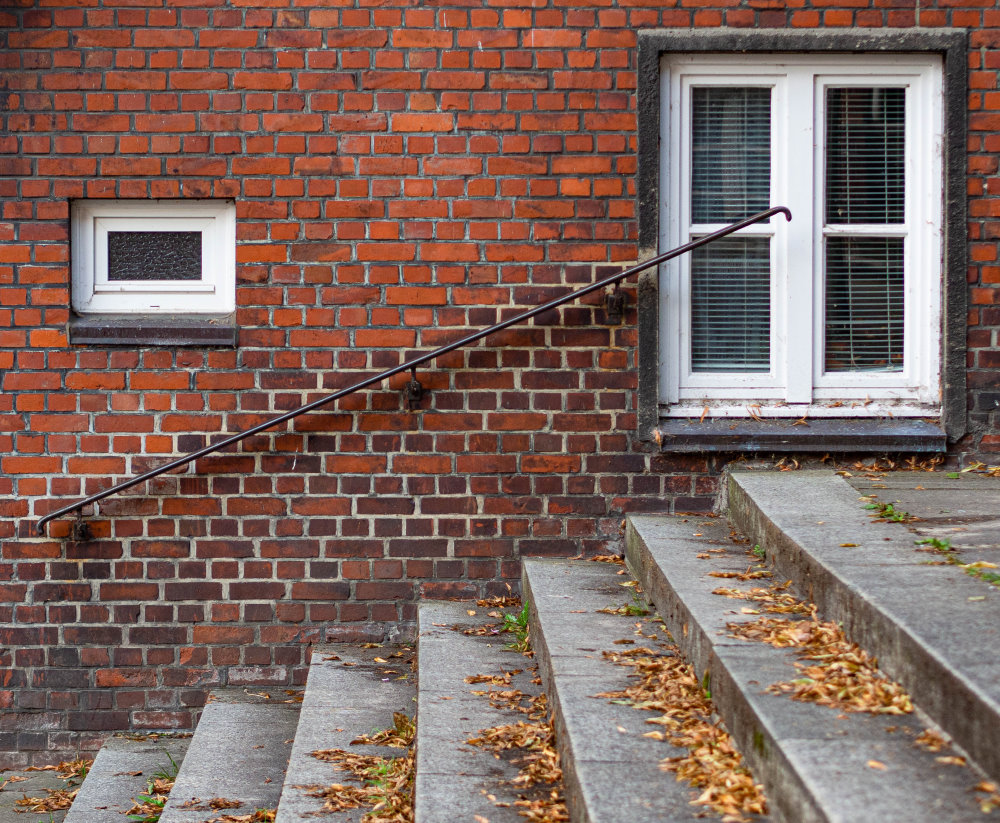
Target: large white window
pixel 154 257
pixel 837 313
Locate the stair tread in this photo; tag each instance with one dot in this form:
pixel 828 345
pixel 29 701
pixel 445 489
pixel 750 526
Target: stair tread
pixel 344 698
pixel 239 751
pixel 454 780
pixel 804 753
pixel 612 771
pixel 121 772
pixel 928 625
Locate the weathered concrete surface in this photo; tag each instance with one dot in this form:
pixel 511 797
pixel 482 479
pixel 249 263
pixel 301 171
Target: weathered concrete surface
pixel 239 752
pixel 934 628
pixel 813 761
pixel 347 695
pixel 121 771
pixel 33 784
pixel 611 770
pixel 455 780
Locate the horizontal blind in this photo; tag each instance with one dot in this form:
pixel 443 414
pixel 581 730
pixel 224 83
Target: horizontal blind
pixel 154 255
pixel 865 142
pixel 730 153
pixel 731 306
pixel 864 304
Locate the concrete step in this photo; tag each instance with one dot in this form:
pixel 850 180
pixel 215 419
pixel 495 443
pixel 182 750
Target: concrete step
pixel 934 628
pixel 17 784
pixel 456 781
pixel 347 694
pixel 121 772
pixel 611 770
pixel 239 752
pixel 816 763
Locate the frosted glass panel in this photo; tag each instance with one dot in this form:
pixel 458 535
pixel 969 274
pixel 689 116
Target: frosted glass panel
pixel 154 255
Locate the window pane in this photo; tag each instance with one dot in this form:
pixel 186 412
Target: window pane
pixel 731 306
pixel 864 304
pixel 865 132
pixel 154 255
pixel 730 153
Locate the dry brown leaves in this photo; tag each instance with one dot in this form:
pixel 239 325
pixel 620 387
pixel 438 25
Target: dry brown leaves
pixel 67 769
pixel 387 781
pixel 538 760
pixel 398 737
pixel 750 574
pixel 150 803
pixel 196 803
pixel 72 771
pixel 669 686
pixel 991 796
pixel 607 558
pixel 931 741
pixel 55 800
pixel 499 602
pixel 833 671
pixel 774 599
pixel 387 787
pixel 259 816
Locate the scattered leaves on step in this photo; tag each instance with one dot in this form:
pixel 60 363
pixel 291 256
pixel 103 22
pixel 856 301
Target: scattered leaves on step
pixel 667 685
pixel 774 599
pixel 387 787
pixel 833 671
pixel 216 803
pixel 950 760
pixel 148 806
pixel 750 574
pixel 398 737
pixel 259 816
pixel 55 800
pixel 607 558
pixel 499 602
pixel 876 764
pixel 502 679
pixel 67 769
pixel 930 740
pixel 991 796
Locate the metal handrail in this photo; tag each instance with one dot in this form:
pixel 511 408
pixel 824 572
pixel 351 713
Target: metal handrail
pixel 411 364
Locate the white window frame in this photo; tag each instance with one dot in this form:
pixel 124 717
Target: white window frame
pixel 93 293
pixel 796 386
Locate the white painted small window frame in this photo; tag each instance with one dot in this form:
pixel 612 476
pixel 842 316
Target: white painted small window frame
pixel 795 385
pixel 93 293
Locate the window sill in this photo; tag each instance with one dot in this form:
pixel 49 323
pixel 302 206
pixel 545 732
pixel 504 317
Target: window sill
pixel 819 435
pixel 204 330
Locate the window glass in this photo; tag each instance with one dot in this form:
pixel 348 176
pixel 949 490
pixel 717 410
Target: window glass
pixel 731 306
pixel 730 153
pixel 865 143
pixel 154 255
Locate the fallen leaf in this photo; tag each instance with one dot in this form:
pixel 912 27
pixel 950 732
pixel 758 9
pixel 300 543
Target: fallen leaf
pixel 876 764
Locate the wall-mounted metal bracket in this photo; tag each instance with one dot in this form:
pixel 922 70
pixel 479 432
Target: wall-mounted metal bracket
pixel 414 391
pixel 614 306
pixel 80 530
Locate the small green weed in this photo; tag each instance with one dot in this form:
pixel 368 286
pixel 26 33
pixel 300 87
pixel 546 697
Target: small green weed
pixel 758 552
pixel 981 570
pixel 706 685
pixel 517 624
pixel 936 544
pixel 149 804
pixel 886 511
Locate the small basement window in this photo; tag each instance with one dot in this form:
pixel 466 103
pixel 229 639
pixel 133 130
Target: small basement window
pixel 154 257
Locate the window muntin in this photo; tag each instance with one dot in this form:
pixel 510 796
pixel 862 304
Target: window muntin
pixel 851 340
pixel 154 257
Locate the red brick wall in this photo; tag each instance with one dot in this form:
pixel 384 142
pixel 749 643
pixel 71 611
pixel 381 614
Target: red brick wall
pixel 402 171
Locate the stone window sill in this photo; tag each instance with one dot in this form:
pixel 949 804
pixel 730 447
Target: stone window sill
pixel 819 435
pixel 200 330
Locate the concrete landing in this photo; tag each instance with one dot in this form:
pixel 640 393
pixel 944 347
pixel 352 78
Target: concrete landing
pixel 816 763
pixel 239 752
pixel 934 628
pixel 348 694
pixel 27 784
pixel 612 771
pixel 120 772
